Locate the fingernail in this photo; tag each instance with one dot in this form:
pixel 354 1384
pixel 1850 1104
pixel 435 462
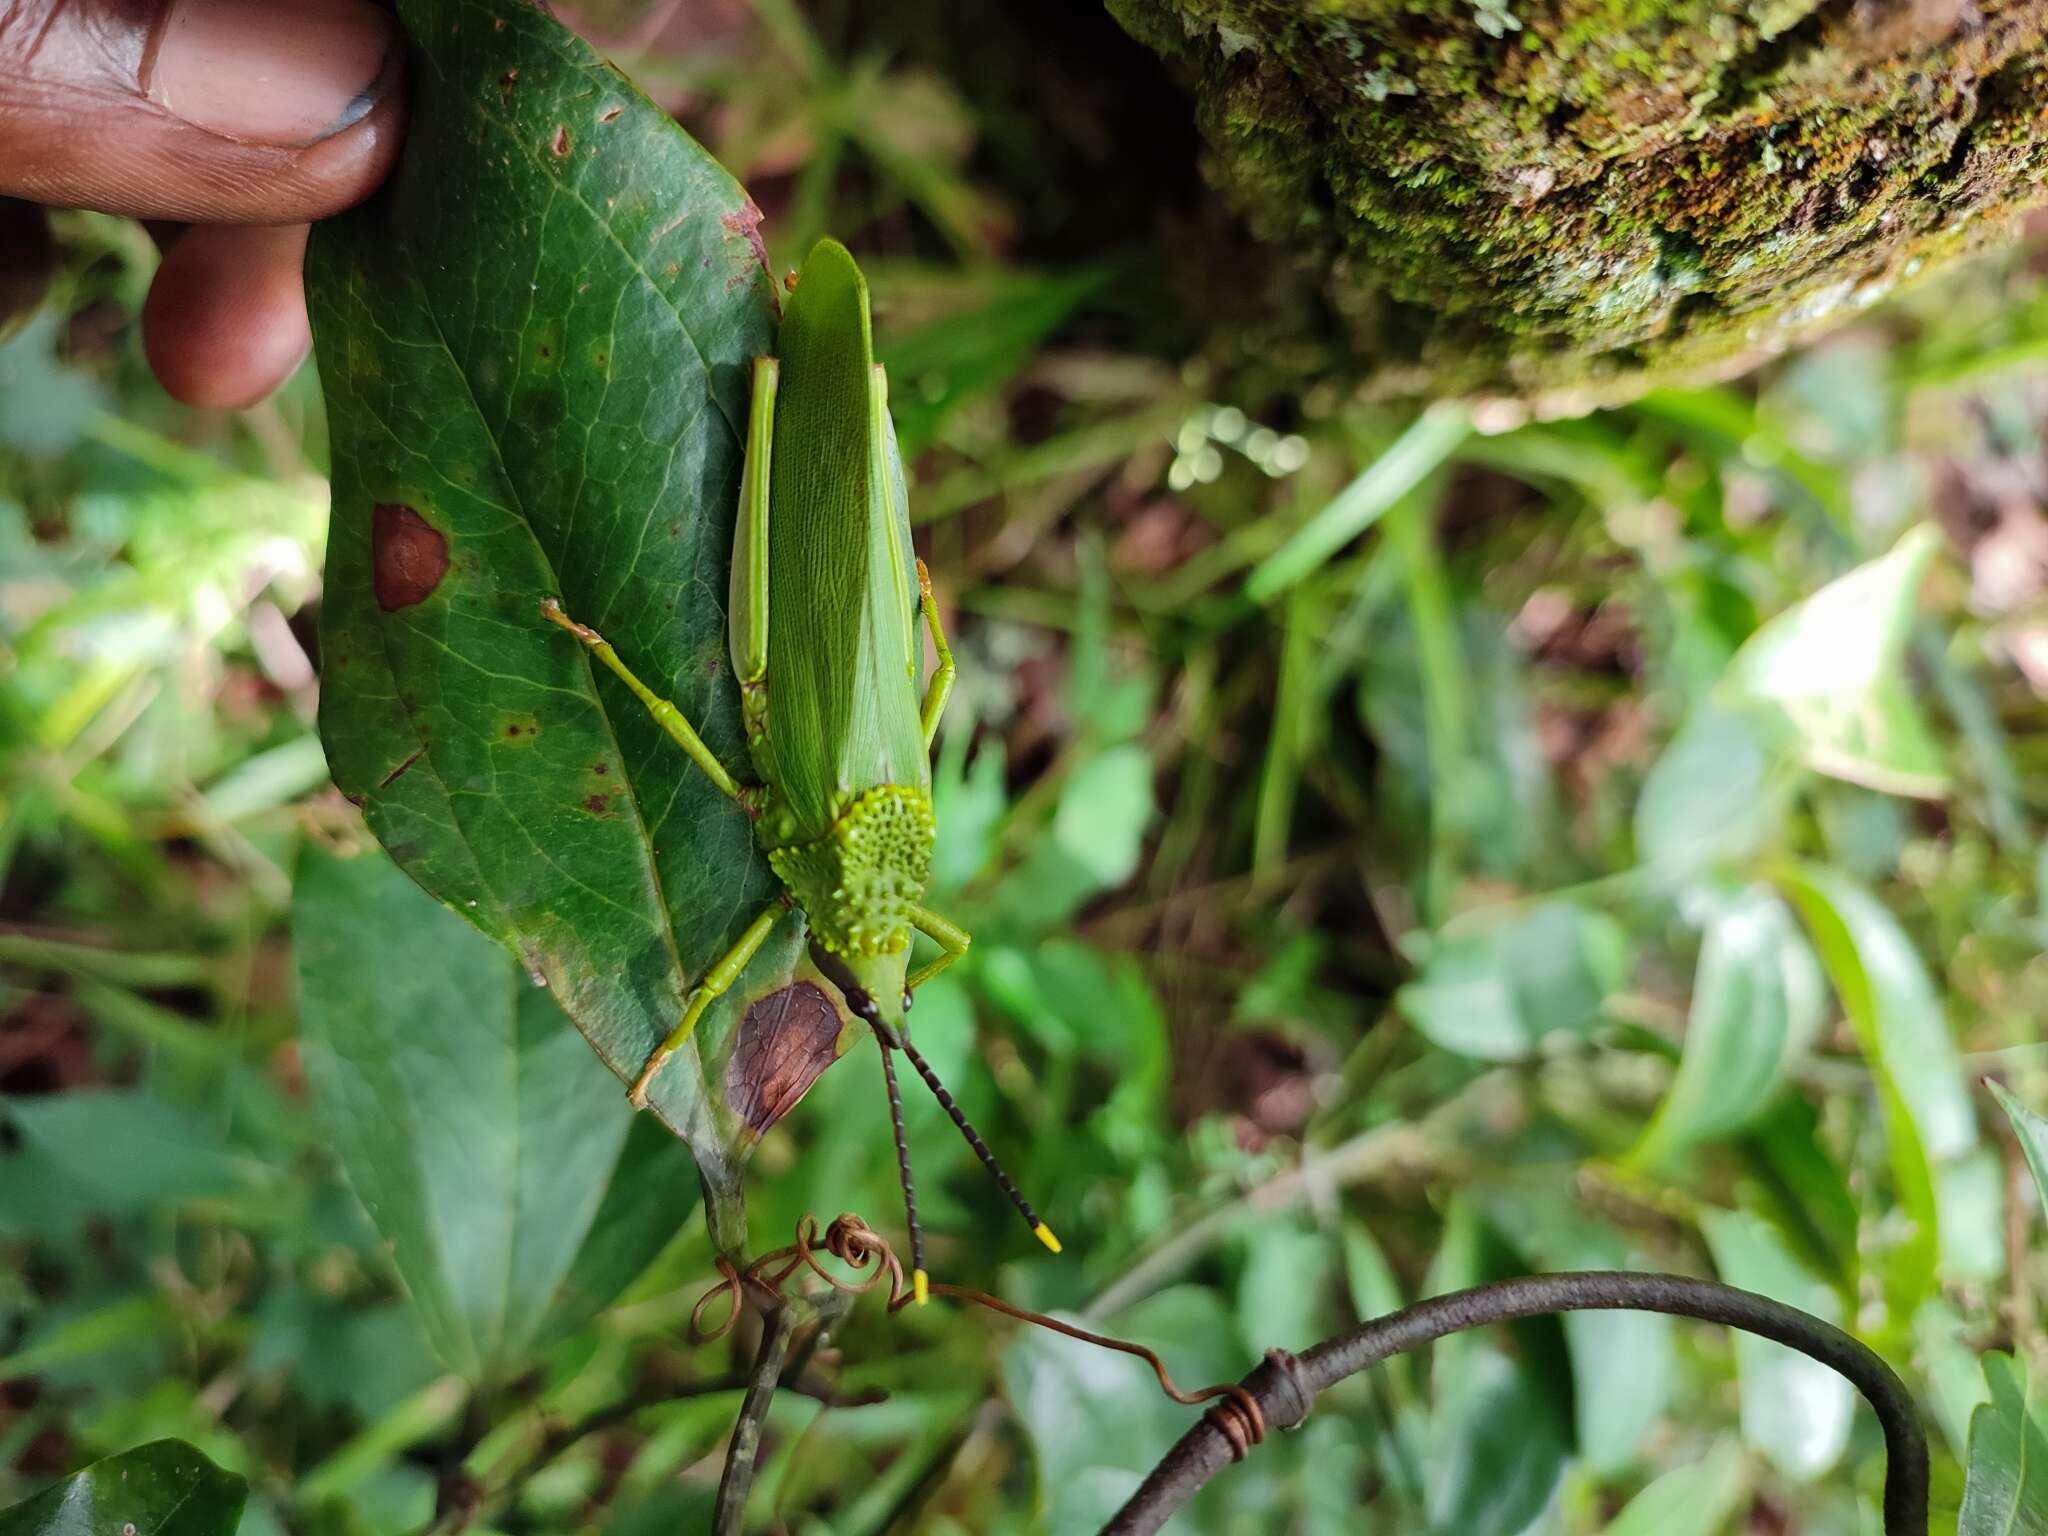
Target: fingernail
pixel 284 72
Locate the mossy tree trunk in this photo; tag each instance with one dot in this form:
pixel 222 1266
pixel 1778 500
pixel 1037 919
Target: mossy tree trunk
pixel 1570 199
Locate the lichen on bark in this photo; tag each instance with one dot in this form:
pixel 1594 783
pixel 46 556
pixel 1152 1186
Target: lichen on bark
pixel 1574 199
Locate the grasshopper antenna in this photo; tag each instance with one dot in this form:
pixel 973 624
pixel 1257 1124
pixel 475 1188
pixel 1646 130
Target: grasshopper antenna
pixel 920 1280
pixel 996 1170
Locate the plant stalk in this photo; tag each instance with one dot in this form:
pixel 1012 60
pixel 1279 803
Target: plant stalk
pixel 778 1327
pixel 1285 1387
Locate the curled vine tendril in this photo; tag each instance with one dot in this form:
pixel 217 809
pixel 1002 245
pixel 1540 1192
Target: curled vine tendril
pixel 850 1240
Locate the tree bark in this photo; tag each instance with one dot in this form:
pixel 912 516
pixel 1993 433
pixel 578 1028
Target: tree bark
pixel 1573 200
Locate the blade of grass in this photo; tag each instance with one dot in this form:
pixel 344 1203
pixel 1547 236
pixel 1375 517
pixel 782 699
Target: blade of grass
pixel 1415 455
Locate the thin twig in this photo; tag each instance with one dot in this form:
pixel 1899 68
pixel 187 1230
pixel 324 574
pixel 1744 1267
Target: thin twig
pixel 1363 1157
pixel 1284 1388
pixel 778 1326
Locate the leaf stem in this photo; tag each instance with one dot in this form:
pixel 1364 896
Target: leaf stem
pixel 778 1327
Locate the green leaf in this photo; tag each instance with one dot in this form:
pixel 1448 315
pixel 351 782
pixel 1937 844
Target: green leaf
pixel 1409 460
pixel 1708 799
pixel 1097 1420
pixel 1622 1363
pixel 1969 1197
pixel 1757 1003
pixel 1892 1004
pixel 126 1151
pixel 2032 1132
pixel 1104 811
pixel 1500 1425
pixel 491 1150
pixel 1368 1278
pixel 1501 1448
pixel 940 366
pixel 1499 990
pixel 165 1488
pixel 1698 1500
pixel 535 345
pixel 2005 1491
pixel 1828 674
pixel 44 406
pixel 1283 1293
pixel 1803 1190
pixel 1949 1362
pixel 1795 1410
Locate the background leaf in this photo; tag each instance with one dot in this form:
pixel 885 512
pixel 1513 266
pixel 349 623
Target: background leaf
pixel 489 1147
pixel 1829 673
pixel 1757 1003
pixel 1496 993
pixel 1709 798
pixel 165 1488
pixel 1698 1500
pixel 1097 1421
pixel 535 346
pixel 2032 1132
pixel 1501 1444
pixel 1890 1000
pixel 1794 1410
pixel 2006 1493
pixel 127 1152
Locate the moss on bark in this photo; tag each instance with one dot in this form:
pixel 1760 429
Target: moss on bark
pixel 1578 198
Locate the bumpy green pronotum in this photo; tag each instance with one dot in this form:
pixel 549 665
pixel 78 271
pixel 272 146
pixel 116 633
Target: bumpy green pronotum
pixel 824 611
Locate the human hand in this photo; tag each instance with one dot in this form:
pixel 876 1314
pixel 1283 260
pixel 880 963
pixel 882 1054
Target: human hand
pixel 225 123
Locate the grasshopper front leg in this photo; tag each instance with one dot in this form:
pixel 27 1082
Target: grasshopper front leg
pixel 734 962
pixel 666 715
pixel 951 938
pixel 716 980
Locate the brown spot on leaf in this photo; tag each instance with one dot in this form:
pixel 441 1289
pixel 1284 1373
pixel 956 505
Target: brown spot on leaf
pixel 392 777
pixel 745 221
pixel 507 81
pixel 408 556
pixel 600 769
pixel 597 805
pixel 784 1044
pixel 610 114
pixel 561 145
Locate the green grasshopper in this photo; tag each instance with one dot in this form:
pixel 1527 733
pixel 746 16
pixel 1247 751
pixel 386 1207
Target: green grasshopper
pixel 823 628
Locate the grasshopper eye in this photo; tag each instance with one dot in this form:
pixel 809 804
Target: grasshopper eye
pixel 907 999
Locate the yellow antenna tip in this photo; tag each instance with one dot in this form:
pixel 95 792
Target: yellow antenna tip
pixel 920 1286
pixel 1044 1234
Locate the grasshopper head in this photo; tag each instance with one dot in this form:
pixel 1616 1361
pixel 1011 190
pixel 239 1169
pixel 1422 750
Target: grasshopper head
pixel 871 984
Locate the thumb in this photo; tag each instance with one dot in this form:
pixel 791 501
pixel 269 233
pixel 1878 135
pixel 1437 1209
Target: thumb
pixel 246 111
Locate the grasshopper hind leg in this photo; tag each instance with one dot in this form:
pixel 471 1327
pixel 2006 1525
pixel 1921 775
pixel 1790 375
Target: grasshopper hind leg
pixel 940 688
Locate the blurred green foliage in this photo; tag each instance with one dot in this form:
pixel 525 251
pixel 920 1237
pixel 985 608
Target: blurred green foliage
pixel 1494 891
